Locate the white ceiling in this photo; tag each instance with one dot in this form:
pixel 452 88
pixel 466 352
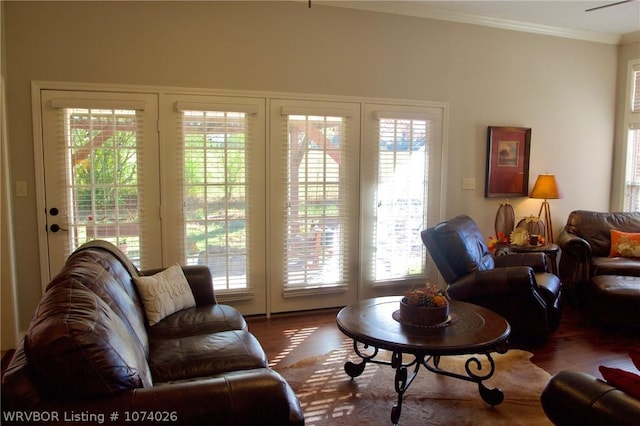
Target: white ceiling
pixel 567 18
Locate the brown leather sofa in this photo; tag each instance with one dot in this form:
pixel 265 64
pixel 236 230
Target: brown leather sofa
pixel 89 352
pixel 517 286
pixel 607 287
pixel 576 398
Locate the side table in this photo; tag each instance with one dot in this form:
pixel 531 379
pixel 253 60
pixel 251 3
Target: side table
pixel 551 250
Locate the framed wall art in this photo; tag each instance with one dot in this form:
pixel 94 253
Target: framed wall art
pixel 507 162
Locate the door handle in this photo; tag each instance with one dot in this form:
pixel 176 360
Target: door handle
pixel 55 228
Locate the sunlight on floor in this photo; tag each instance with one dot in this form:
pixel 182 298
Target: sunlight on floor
pixel 319 389
pixel 296 337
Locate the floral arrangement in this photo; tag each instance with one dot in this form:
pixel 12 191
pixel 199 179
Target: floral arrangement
pixel 429 296
pixel 501 238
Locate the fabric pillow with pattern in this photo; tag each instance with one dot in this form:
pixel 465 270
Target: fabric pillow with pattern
pixel 164 293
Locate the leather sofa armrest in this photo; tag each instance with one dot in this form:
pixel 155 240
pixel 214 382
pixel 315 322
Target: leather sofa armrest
pixel 537 261
pixel 247 397
pixel 509 280
pixel 573 398
pixel 199 279
pixel 575 261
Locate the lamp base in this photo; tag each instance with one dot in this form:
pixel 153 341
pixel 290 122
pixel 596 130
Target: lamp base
pixel 548 237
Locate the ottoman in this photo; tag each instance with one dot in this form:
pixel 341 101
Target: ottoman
pixel 614 299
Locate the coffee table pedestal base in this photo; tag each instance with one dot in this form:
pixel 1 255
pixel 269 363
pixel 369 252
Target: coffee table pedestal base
pixel 473 366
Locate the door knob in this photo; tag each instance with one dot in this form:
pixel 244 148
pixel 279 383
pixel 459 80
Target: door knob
pixel 55 228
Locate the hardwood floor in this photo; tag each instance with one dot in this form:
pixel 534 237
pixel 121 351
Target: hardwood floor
pixel 578 344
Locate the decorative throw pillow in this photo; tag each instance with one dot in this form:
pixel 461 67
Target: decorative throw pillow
pixel 625 244
pixel 634 354
pixel 621 379
pixel 164 293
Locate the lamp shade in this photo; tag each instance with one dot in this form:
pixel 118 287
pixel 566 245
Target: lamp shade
pixel 546 187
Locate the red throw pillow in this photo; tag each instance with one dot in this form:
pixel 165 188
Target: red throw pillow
pixel 623 380
pixel 634 354
pixel 624 244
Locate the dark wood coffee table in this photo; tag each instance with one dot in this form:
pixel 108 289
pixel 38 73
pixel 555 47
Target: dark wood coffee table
pixel 470 330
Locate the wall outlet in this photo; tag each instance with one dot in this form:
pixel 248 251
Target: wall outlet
pixel 469 184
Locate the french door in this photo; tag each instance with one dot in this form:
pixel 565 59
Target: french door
pixel 100 158
pixel 213 186
pixel 293 203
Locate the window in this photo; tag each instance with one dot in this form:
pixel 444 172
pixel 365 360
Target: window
pixel 316 207
pixel 214 193
pixel 401 197
pixel 102 152
pixel 632 171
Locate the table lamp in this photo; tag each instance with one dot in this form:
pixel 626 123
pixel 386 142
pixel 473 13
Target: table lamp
pixel 546 188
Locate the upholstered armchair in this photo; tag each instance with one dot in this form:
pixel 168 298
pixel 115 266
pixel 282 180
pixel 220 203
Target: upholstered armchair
pixel 517 286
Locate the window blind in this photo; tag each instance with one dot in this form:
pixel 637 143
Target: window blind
pixel 214 157
pixel 632 170
pixel 401 198
pixel 635 92
pixel 316 216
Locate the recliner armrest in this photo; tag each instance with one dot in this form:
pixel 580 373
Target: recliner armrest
pixel 537 261
pixel 575 262
pixel 509 280
pixel 575 398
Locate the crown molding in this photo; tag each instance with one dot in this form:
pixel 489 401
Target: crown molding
pixel 423 10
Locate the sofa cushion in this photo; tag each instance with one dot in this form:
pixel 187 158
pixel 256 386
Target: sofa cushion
pixel 615 266
pixel 205 355
pixel 164 293
pixel 625 244
pixel 80 347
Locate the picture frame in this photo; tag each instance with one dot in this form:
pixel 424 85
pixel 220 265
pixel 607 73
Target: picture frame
pixel 507 162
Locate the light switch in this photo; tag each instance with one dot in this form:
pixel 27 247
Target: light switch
pixel 468 184
pixel 21 189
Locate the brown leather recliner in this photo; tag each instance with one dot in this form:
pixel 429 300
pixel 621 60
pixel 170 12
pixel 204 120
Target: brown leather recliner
pixel 516 286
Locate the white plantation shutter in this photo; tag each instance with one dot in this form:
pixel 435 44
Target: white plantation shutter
pixel 632 172
pixel 401 198
pixel 635 97
pixel 317 210
pixel 216 141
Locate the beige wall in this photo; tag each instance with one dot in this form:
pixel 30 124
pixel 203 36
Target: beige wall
pixel 8 332
pixel 562 88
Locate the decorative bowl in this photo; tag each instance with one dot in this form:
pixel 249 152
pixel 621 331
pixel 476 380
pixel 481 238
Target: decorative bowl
pixel 423 315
